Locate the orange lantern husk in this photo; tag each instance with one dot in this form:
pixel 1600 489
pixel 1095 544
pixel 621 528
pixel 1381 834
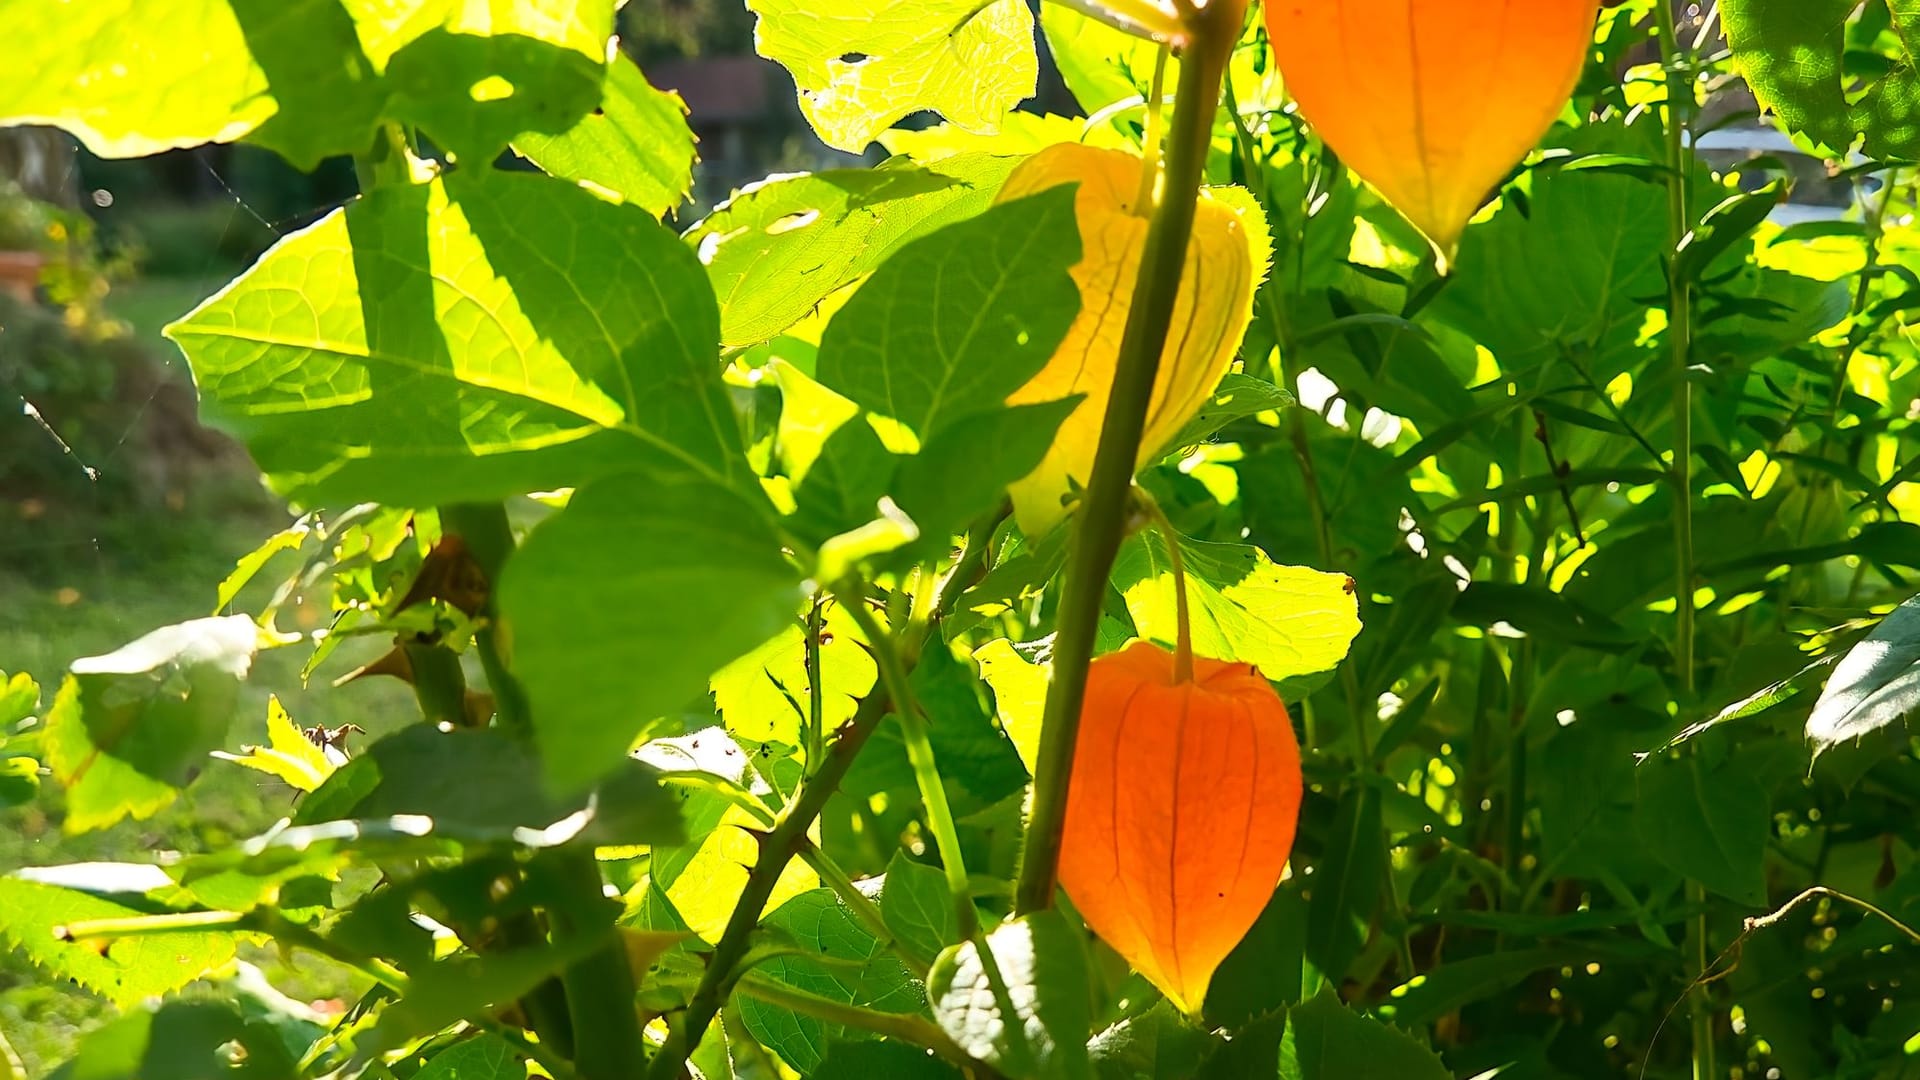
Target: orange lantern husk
pixel 1180 812
pixel 1431 102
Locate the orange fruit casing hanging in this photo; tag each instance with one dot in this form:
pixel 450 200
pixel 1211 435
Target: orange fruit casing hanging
pixel 1431 101
pixel 1180 812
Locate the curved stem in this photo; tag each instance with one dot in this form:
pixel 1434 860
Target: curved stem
pixel 1150 138
pixel 1183 625
pixel 1101 521
pixel 926 770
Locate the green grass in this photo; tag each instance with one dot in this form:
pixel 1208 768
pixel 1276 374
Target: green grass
pixel 148 304
pixel 81 580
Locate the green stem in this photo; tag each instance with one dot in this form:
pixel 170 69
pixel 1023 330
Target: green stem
pixel 777 848
pixel 926 770
pixel 1679 72
pixel 783 842
pixel 597 991
pixel 385 162
pixel 902 1027
pixel 815 735
pixel 1183 630
pixel 1101 522
pixel 835 877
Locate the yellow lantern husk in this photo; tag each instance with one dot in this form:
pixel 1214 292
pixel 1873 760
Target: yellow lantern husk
pixel 1226 258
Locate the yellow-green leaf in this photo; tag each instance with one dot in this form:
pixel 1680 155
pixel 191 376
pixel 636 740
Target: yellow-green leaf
pixel 1292 622
pixel 289 754
pixel 860 67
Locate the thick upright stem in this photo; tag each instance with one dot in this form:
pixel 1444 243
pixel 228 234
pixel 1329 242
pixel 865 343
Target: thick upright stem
pixel 1101 522
pixel 1679 69
pixel 597 991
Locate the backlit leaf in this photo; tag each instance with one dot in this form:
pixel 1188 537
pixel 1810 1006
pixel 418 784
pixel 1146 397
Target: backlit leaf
pixel 862 66
pixel 289 754
pixel 1797 57
pixel 956 321
pixel 128 729
pixel 476 337
pixel 129 971
pixel 1293 623
pixel 781 246
pixel 310 78
pixel 636 145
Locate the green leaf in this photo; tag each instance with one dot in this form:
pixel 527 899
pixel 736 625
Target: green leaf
pixel 469 985
pixel 128 729
pixel 292 538
pixel 1236 398
pixel 476 784
pixel 1101 65
pixel 1757 702
pixel 1022 1008
pixel 1795 55
pixel 636 144
pixel 954 322
pixel 778 248
pixel 1874 685
pixel 1293 623
pixel 456 352
pixel 1325 1040
pixel 763 695
pixel 1263 972
pixel 859 68
pixel 178 1040
pixel 10 1066
pixel 979 765
pixel 1461 982
pixel 860 970
pixel 641 556
pixel 917 908
pixel 1604 234
pixel 19 696
pixel 289 754
pixel 1709 827
pixel 481 75
pixel 1159 1044
pixel 866 1060
pixel 131 970
pixel 964 470
pixel 488 1057
pixel 310 78
pixel 1346 885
